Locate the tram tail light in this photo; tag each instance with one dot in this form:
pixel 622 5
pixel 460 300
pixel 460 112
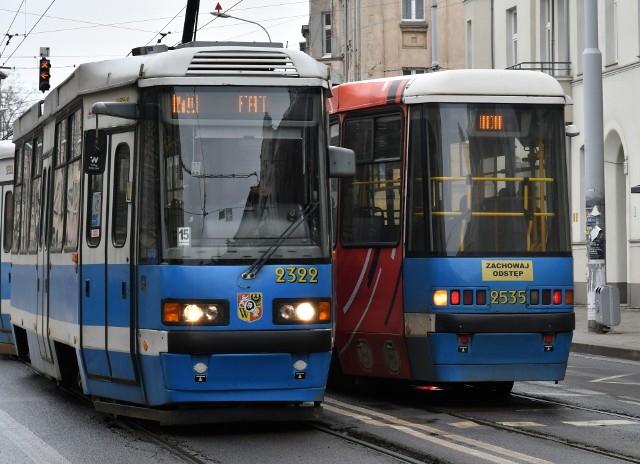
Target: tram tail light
pixel 534 297
pixel 464 338
pixel 550 297
pixel 548 338
pixel 481 297
pixel 467 297
pixel 568 297
pixel 455 297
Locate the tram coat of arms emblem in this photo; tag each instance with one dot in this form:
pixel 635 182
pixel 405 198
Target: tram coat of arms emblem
pixel 250 306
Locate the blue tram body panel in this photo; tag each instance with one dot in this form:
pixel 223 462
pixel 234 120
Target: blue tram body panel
pixel 288 374
pixel 422 276
pixel 157 283
pixel 5 296
pixel 511 345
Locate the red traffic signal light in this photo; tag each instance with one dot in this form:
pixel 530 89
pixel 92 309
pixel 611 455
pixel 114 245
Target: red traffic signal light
pixel 44 73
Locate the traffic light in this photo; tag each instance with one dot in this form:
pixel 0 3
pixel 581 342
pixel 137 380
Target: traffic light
pixel 44 74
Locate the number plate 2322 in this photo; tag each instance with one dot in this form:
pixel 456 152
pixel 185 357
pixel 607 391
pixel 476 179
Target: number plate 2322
pixel 292 274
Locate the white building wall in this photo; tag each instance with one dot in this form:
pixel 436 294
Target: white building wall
pixel 621 153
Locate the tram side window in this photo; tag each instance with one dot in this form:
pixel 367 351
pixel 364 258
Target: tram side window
pixel 36 184
pixel 26 197
pixel 334 139
pixel 120 187
pixel 66 187
pixel 17 200
pixel 370 202
pixel 72 218
pixel 7 231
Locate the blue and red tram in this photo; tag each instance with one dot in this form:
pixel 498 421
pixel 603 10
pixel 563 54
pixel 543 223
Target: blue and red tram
pixel 453 256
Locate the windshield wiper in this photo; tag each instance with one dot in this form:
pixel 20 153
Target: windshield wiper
pixel 251 271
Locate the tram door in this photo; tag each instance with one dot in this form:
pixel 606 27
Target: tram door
pixel 107 316
pixel 43 264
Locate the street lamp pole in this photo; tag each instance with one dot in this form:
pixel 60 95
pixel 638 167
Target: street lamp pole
pixel 225 15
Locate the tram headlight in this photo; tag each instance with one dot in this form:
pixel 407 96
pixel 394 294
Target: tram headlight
pixel 195 313
pixel 301 311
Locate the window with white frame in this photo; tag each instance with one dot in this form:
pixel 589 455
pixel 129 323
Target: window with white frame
pixel 412 71
pixel 326 34
pixel 512 37
pixel 413 10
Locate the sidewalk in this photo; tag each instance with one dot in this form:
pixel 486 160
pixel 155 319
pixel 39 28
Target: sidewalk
pixel 622 342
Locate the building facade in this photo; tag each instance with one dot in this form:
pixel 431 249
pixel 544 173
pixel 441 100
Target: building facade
pixel 366 39
pixel 549 35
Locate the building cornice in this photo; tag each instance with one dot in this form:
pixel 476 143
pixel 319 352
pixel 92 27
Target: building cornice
pixel 609 72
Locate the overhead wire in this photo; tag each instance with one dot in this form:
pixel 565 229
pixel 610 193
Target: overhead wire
pixel 32 28
pixel 165 26
pixel 7 34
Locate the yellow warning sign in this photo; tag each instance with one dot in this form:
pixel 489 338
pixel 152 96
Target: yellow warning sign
pixel 521 269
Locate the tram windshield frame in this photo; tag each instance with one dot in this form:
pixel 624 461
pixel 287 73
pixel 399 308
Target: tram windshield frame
pixel 487 180
pixel 230 173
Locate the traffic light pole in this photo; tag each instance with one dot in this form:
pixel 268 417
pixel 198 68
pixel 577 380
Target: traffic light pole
pixel 594 164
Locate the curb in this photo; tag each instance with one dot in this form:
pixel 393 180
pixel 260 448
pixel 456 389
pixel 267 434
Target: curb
pixel 608 351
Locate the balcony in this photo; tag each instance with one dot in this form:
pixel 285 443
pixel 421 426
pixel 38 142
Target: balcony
pixel 558 69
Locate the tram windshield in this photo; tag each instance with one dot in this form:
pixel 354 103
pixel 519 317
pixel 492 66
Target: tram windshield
pixel 488 179
pixel 234 171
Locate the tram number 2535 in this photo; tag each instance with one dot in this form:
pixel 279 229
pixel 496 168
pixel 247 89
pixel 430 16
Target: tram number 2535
pixel 294 274
pixel 508 297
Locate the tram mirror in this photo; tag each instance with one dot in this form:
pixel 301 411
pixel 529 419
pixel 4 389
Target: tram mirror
pixel 95 151
pixel 342 162
pixel 116 109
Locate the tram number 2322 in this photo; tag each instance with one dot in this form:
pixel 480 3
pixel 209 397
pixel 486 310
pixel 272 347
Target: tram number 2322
pixel 508 297
pixel 294 274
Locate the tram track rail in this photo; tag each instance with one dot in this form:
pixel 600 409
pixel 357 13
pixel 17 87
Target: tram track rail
pixel 560 440
pixel 185 455
pixel 139 430
pixel 388 450
pixel 374 442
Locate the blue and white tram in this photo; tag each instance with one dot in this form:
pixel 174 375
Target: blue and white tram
pixel 172 250
pixel 6 230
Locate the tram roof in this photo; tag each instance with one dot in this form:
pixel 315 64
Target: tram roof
pixel 7 149
pixel 452 85
pixel 224 61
